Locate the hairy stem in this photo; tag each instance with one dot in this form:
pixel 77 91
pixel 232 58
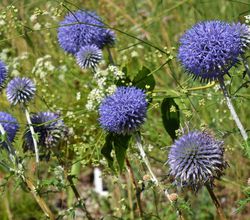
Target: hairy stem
pixel 39 199
pixel 216 203
pixel 153 177
pixel 78 197
pixel 232 110
pixel 33 135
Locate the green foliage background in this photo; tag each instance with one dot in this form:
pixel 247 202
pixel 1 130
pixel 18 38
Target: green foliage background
pixel 147 35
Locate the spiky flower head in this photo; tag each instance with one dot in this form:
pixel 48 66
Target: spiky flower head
pixel 89 56
pixel 210 48
pixel 50 130
pixel 196 159
pixel 244 31
pixel 3 73
pixel 81 28
pixel 10 126
pixel 20 90
pixel 124 111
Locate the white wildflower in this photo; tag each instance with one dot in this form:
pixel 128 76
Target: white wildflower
pixel 78 96
pixel 37 27
pixel 2 22
pixel 33 17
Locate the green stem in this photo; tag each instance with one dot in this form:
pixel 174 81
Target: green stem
pixel 78 197
pixel 38 199
pixel 153 177
pixel 216 203
pixel 111 60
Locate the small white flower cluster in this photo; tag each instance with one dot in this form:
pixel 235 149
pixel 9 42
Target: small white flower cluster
pixel 52 12
pixel 247 19
pixel 94 98
pixel 14 64
pixel 2 19
pixel 105 80
pixel 43 66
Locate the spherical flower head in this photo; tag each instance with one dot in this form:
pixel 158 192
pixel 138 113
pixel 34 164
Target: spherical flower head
pixel 20 90
pixel 209 49
pixel 124 111
pixel 196 159
pixel 49 128
pixel 89 56
pixel 82 28
pixel 3 73
pixel 244 32
pixel 10 125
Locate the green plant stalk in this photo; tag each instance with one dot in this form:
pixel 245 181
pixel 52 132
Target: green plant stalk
pixel 153 177
pixel 33 135
pixel 216 203
pixel 7 207
pixel 75 170
pixel 78 197
pixel 111 60
pixel 38 199
pixel 31 187
pixel 232 110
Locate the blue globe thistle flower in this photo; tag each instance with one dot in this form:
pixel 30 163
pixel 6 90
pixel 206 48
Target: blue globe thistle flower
pixel 10 125
pixel 88 56
pixel 196 159
pixel 49 128
pixel 20 90
pixel 210 48
pixel 124 111
pixel 81 28
pixel 244 32
pixel 3 73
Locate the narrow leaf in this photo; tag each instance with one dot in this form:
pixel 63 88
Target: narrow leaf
pixel 121 143
pixel 107 149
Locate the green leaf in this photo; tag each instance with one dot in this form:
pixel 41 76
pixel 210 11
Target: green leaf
pixel 121 143
pixel 107 149
pixel 144 79
pixel 170 116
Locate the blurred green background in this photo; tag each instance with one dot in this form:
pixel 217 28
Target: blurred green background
pixel 28 45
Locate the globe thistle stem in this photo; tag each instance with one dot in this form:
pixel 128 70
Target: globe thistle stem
pixel 78 197
pixel 33 134
pixel 232 110
pixel 216 203
pixel 111 60
pixel 38 199
pixel 153 177
pixel 145 160
pixel 19 172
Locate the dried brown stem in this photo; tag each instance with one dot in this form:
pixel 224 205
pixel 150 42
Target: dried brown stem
pixel 137 189
pixel 216 203
pixel 38 198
